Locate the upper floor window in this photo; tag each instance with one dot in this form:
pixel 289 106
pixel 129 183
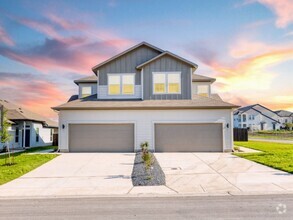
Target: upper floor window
pixel 86 91
pixel 203 90
pixel 167 83
pixel 120 84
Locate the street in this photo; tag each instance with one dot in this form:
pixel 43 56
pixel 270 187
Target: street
pixel 216 207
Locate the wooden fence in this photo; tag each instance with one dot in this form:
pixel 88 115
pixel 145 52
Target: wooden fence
pixel 240 134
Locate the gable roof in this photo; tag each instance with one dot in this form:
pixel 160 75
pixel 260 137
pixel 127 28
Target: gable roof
pixel 170 54
pixel 283 113
pixel 197 102
pixel 127 51
pixel 87 79
pixel 200 78
pixel 17 113
pixel 246 108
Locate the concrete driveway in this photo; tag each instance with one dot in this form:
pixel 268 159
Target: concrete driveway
pixel 73 174
pixel 216 173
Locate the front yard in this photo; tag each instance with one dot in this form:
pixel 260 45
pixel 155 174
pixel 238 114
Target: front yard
pixel 23 163
pixel 276 155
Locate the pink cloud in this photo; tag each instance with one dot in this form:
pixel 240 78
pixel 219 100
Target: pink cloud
pixel 283 10
pixel 5 38
pixel 38 94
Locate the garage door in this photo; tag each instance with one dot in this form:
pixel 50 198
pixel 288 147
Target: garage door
pixel 101 137
pixel 189 137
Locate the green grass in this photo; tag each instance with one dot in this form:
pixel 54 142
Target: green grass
pixel 276 155
pixel 23 163
pixel 276 135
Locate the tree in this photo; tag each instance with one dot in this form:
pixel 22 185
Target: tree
pixel 5 135
pixel 289 126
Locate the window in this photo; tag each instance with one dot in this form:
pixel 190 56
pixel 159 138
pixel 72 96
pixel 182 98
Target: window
pixel 159 83
pixel 167 83
pixel 203 90
pixel 244 125
pixel 86 91
pixel 16 135
pixel 121 84
pixel 37 134
pixel 239 118
pixel 174 83
pixel 128 84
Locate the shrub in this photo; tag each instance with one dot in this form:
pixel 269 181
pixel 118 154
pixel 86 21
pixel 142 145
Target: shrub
pixel 146 155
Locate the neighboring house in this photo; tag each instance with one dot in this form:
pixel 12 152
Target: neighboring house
pixel 256 117
pixel 145 94
pixel 285 117
pixel 28 129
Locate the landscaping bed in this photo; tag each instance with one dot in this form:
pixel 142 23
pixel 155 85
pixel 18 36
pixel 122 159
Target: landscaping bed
pixel 276 155
pixel 147 174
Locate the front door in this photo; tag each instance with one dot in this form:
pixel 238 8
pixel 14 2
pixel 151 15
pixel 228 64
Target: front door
pixel 27 137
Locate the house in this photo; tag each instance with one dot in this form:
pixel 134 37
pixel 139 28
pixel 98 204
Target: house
pixel 256 117
pixel 285 117
pixel 28 129
pixel 145 94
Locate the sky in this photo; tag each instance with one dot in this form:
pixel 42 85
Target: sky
pixel 246 44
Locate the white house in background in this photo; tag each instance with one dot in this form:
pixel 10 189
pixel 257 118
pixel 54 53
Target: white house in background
pixel 256 117
pixel 145 94
pixel 28 129
pixel 285 117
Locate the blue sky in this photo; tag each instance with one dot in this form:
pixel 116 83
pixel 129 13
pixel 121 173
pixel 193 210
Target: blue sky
pixel 246 44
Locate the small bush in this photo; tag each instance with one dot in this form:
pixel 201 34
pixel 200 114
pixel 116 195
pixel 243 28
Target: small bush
pixel 236 148
pixel 146 155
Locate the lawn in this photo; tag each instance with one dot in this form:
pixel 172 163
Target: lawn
pixel 23 163
pixel 276 155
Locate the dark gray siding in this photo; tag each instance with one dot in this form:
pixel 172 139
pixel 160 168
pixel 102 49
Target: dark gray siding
pixel 127 64
pixel 167 63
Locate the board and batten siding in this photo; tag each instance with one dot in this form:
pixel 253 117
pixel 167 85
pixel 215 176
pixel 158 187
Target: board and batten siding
pixel 127 64
pixel 166 64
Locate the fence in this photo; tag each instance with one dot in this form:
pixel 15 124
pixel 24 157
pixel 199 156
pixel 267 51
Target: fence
pixel 240 134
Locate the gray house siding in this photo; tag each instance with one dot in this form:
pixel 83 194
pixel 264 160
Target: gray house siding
pixel 127 64
pixel 167 63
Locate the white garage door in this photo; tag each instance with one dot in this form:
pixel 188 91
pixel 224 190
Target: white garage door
pixel 101 137
pixel 203 137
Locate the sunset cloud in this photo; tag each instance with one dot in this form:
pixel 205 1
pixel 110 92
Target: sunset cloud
pixel 5 38
pixel 282 9
pixel 37 94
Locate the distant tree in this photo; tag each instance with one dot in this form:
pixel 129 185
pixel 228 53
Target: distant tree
pixel 5 135
pixel 288 126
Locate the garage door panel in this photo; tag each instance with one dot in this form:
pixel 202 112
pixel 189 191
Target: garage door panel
pixel 101 137
pixel 201 137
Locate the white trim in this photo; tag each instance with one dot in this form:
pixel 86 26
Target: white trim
pixel 189 122
pixel 98 83
pixel 100 122
pixel 166 82
pixel 121 83
pixel 142 84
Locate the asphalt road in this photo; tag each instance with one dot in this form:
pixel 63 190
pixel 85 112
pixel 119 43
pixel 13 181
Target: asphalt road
pixel 217 207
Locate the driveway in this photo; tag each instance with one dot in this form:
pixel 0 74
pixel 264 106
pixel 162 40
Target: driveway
pixel 216 173
pixel 76 174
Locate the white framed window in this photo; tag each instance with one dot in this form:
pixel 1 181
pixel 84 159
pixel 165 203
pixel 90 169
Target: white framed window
pixel 86 91
pixel 166 82
pixel 121 84
pixel 203 90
